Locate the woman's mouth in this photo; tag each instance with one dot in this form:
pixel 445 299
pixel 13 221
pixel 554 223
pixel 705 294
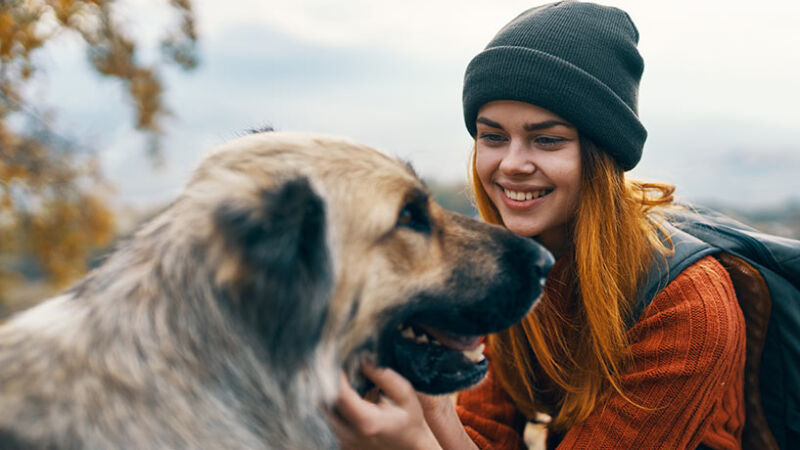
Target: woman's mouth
pixel 525 196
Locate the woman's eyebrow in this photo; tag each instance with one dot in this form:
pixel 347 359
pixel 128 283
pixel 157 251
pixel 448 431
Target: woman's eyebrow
pixel 545 125
pixel 528 126
pixel 488 122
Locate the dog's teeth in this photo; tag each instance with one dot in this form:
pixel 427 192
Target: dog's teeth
pixel 475 355
pixel 435 342
pixel 408 333
pixel 422 339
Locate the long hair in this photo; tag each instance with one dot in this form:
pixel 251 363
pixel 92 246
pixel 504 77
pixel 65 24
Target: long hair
pixel 578 340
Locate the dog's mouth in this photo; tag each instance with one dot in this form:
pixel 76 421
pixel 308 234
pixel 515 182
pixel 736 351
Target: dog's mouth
pixel 435 339
pixel 438 346
pixel 470 346
pixel 432 359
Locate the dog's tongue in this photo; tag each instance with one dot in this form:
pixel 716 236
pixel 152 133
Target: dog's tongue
pixel 453 341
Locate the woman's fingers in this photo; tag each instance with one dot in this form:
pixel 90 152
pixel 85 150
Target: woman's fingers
pixel 393 385
pixel 396 401
pixel 396 421
pixel 352 407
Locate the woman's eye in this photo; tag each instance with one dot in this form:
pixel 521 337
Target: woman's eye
pixel 492 138
pixel 548 140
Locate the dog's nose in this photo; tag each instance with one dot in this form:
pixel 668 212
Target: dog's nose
pixel 544 261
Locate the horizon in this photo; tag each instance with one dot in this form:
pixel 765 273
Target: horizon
pixel 718 93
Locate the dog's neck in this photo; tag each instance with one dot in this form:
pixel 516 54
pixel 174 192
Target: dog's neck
pixel 169 358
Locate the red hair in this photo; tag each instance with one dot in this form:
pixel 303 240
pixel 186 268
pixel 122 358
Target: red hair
pixel 579 341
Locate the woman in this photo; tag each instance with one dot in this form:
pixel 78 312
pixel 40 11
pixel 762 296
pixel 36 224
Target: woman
pixel 551 103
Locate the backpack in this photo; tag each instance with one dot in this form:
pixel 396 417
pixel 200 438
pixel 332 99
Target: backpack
pixel 765 271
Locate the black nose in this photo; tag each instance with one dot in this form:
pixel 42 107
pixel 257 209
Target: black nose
pixel 544 261
pixel 526 252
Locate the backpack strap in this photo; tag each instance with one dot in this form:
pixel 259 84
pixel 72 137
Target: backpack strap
pixel 765 271
pixel 687 250
pixel 756 304
pixel 778 254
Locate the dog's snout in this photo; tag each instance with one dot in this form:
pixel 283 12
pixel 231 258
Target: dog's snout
pixel 539 260
pixel 544 261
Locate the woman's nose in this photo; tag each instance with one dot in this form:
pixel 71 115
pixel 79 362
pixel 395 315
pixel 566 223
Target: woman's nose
pixel 517 160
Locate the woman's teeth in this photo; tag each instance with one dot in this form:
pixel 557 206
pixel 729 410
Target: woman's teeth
pixel 529 195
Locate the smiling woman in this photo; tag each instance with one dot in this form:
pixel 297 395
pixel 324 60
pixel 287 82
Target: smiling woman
pixel 561 121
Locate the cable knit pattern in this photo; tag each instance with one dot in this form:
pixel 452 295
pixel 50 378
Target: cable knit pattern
pixel 687 368
pixel 490 418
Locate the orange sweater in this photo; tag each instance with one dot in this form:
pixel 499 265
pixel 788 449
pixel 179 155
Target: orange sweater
pixel 688 352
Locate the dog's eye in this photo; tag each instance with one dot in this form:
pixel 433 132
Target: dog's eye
pixel 413 216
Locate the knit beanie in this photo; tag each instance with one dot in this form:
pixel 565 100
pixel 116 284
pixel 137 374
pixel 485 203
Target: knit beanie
pixel 578 60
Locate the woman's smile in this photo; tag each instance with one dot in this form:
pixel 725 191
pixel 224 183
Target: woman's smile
pixel 522 198
pixel 528 160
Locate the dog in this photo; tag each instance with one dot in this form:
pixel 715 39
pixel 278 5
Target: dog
pixel 226 319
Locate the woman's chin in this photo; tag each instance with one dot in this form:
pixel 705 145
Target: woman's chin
pixel 522 227
pixel 554 237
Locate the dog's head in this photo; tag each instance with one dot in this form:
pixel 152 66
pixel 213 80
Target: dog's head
pixel 328 244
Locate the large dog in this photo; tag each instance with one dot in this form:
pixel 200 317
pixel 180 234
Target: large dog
pixel 225 320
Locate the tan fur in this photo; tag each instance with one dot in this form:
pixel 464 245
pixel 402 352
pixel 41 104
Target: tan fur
pixel 145 352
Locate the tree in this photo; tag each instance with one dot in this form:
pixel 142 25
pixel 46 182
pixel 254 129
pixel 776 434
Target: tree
pixel 53 196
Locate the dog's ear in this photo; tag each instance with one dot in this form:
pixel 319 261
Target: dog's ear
pixel 285 273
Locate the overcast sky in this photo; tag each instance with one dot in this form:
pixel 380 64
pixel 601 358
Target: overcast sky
pixel 719 96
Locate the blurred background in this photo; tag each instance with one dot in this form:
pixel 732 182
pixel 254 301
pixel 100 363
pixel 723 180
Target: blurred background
pixel 107 106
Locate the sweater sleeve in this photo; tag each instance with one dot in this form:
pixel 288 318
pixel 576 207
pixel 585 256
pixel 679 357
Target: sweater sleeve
pixel 490 417
pixel 687 362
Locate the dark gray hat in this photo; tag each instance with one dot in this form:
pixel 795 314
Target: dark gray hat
pixel 578 60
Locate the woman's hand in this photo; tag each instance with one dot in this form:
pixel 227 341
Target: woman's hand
pixel 395 421
pixel 440 414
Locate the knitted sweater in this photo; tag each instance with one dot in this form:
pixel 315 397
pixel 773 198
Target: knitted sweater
pixel 688 352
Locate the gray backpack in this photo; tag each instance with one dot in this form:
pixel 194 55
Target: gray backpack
pixel 765 271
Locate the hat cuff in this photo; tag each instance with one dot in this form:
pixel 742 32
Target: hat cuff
pixel 532 76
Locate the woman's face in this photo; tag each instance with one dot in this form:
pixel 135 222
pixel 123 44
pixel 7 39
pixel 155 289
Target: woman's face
pixel 529 162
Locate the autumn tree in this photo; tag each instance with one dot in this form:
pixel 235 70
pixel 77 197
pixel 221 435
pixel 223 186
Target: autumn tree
pixel 53 196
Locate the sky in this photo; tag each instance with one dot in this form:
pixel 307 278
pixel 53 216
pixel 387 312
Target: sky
pixel 719 94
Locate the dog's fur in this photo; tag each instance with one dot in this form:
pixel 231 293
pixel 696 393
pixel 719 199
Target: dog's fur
pixel 224 321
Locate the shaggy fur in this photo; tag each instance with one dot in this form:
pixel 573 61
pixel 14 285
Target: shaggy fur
pixel 224 321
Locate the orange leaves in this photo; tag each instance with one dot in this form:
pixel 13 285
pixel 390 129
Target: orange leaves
pixel 63 236
pixel 9 172
pixel 6 31
pixel 64 9
pixel 146 92
pixel 113 53
pixel 112 50
pixel 18 29
pixel 52 203
pixel 113 56
pixel 52 207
